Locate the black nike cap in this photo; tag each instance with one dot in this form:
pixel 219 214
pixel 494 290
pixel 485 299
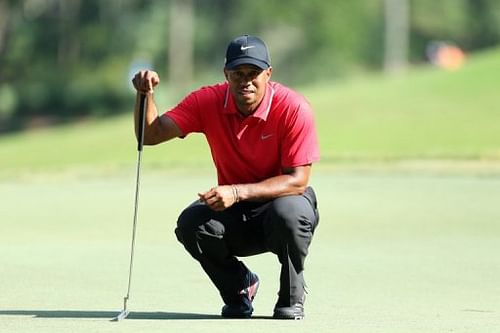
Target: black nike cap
pixel 247 50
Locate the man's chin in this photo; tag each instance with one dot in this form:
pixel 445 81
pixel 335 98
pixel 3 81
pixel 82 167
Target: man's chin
pixel 247 99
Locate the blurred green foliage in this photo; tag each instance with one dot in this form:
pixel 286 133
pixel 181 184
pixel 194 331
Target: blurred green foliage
pixel 430 115
pixel 67 58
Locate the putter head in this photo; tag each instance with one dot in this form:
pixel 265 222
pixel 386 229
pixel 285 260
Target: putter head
pixel 122 315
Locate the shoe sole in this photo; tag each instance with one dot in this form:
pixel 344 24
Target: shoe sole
pixel 288 313
pixel 237 316
pixel 288 317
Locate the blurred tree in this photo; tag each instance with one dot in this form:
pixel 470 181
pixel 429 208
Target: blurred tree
pixel 483 24
pixel 180 49
pixel 66 58
pixel 68 50
pixel 396 35
pixel 4 17
pixel 436 20
pixel 315 39
pixel 471 24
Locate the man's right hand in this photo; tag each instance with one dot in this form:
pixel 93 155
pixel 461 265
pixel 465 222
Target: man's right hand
pixel 145 81
pixel 156 129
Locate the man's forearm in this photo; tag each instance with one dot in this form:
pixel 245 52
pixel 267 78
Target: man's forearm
pixel 150 120
pixel 294 183
pixel 156 129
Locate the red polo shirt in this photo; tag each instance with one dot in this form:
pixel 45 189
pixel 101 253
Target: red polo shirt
pixel 280 133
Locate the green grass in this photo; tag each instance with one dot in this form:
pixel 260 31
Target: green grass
pixel 391 254
pixel 427 114
pixel 106 145
pixel 394 252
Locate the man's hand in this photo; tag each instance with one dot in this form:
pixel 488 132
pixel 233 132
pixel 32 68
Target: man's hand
pixel 145 81
pixel 220 197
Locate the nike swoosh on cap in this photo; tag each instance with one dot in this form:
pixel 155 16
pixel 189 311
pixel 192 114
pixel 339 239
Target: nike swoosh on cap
pixel 243 48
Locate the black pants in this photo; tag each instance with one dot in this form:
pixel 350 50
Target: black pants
pixel 284 226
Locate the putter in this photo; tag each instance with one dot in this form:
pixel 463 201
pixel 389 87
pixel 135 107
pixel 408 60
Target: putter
pixel 140 141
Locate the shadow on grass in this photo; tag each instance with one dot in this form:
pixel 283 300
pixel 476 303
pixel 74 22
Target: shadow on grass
pixel 107 314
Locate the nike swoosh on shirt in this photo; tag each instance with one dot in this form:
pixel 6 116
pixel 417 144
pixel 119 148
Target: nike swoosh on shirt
pixel 263 137
pixel 243 48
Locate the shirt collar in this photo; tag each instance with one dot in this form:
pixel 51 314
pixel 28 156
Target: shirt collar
pixel 262 110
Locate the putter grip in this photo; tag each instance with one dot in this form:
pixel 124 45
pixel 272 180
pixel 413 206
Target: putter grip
pixel 142 120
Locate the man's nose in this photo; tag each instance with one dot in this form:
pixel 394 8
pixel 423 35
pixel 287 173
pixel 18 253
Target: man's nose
pixel 245 82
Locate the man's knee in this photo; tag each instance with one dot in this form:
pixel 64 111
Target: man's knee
pixel 187 223
pixel 197 231
pixel 292 215
pixel 289 228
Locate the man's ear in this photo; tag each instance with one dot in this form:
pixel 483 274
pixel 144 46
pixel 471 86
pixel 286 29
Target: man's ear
pixel 269 72
pixel 225 74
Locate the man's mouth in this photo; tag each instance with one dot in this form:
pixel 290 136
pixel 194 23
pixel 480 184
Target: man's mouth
pixel 246 91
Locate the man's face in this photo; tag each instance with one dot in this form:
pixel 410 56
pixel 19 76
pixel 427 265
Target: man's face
pixel 248 85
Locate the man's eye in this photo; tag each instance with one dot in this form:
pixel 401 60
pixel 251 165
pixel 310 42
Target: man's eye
pixel 241 75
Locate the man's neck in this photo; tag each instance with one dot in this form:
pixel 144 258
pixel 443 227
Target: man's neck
pixel 247 110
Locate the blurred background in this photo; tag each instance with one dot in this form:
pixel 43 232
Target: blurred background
pixel 389 80
pixel 65 59
pixel 405 95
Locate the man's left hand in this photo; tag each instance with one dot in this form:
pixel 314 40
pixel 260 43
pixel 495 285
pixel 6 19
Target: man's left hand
pixel 219 198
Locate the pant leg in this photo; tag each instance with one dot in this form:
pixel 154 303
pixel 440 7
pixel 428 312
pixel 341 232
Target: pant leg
pixel 284 226
pixel 214 239
pixel 289 226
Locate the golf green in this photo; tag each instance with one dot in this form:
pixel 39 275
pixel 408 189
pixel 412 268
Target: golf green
pixel 393 252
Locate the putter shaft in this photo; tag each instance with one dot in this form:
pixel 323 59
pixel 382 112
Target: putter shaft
pixel 124 313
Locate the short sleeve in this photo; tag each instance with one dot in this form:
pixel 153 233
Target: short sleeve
pixel 187 114
pixel 299 138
